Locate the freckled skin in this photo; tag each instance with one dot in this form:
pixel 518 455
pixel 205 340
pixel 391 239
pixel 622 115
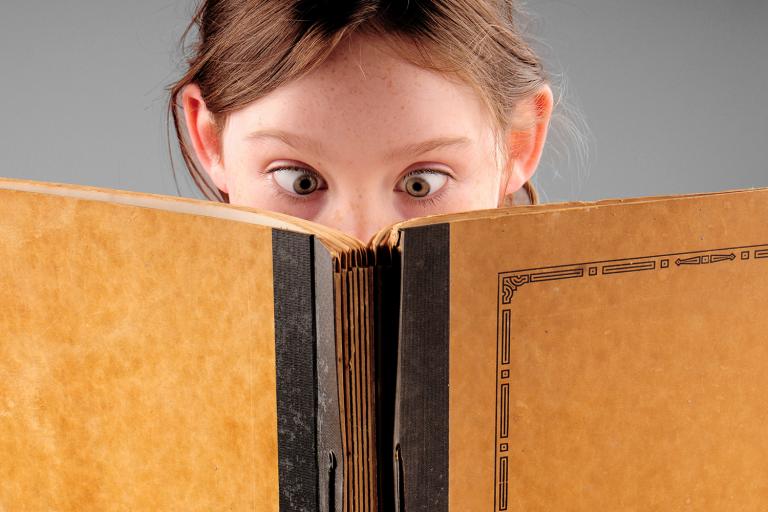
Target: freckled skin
pixel 360 105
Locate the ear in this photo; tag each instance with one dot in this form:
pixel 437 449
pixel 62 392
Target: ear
pixel 525 145
pixel 201 128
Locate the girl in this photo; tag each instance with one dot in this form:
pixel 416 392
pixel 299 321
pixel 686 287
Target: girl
pixel 359 114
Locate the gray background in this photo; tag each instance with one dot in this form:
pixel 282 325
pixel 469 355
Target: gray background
pixel 667 96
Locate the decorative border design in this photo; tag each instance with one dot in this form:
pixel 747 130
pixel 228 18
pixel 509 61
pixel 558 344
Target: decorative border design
pixel 509 285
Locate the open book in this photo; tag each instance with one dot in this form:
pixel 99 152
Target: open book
pixel 164 353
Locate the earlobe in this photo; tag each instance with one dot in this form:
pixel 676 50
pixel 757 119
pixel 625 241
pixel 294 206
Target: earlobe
pixel 202 132
pixel 525 146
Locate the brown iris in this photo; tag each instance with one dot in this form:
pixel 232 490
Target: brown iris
pixel 305 184
pixel 416 186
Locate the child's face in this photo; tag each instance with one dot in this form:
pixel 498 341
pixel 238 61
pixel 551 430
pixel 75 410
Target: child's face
pixel 364 141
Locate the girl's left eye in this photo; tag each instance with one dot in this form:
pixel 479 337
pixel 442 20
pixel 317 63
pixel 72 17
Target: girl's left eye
pixel 422 182
pixel 298 181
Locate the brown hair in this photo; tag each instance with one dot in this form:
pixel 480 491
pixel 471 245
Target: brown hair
pixel 247 48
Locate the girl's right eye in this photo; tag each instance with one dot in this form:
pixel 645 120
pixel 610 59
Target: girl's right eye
pixel 298 181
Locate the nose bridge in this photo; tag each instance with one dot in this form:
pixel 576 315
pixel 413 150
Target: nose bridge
pixel 358 213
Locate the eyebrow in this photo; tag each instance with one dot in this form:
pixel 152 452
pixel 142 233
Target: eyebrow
pixel 419 148
pixel 290 139
pixel 298 142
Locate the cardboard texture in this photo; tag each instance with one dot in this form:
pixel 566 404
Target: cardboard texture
pixel 137 364
pixel 611 358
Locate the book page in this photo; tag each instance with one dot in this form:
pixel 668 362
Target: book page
pixel 335 240
pixel 137 359
pixel 611 358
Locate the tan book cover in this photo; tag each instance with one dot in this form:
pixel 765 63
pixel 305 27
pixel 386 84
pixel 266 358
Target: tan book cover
pixel 630 363
pixel 137 357
pixel 160 353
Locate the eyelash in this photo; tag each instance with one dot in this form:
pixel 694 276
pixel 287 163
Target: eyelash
pixel 278 191
pixel 292 199
pixel 429 201
pixel 424 170
pixel 294 168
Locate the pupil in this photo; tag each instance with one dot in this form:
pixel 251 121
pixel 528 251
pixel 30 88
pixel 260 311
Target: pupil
pixel 417 187
pixel 304 185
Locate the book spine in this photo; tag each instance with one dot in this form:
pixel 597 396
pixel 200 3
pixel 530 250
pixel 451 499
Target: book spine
pixel 421 403
pixel 386 305
pixel 330 457
pixel 295 352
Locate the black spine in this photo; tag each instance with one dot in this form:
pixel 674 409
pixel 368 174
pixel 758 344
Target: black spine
pixel 386 324
pixel 421 424
pixel 329 455
pixel 292 259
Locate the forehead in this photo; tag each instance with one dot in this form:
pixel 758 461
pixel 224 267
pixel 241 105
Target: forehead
pixel 366 95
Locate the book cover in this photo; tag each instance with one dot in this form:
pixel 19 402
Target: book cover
pixel 161 353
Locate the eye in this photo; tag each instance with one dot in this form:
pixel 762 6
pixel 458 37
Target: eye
pixel 423 182
pixel 297 180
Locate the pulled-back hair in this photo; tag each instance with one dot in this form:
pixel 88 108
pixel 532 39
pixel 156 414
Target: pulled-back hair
pixel 247 48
